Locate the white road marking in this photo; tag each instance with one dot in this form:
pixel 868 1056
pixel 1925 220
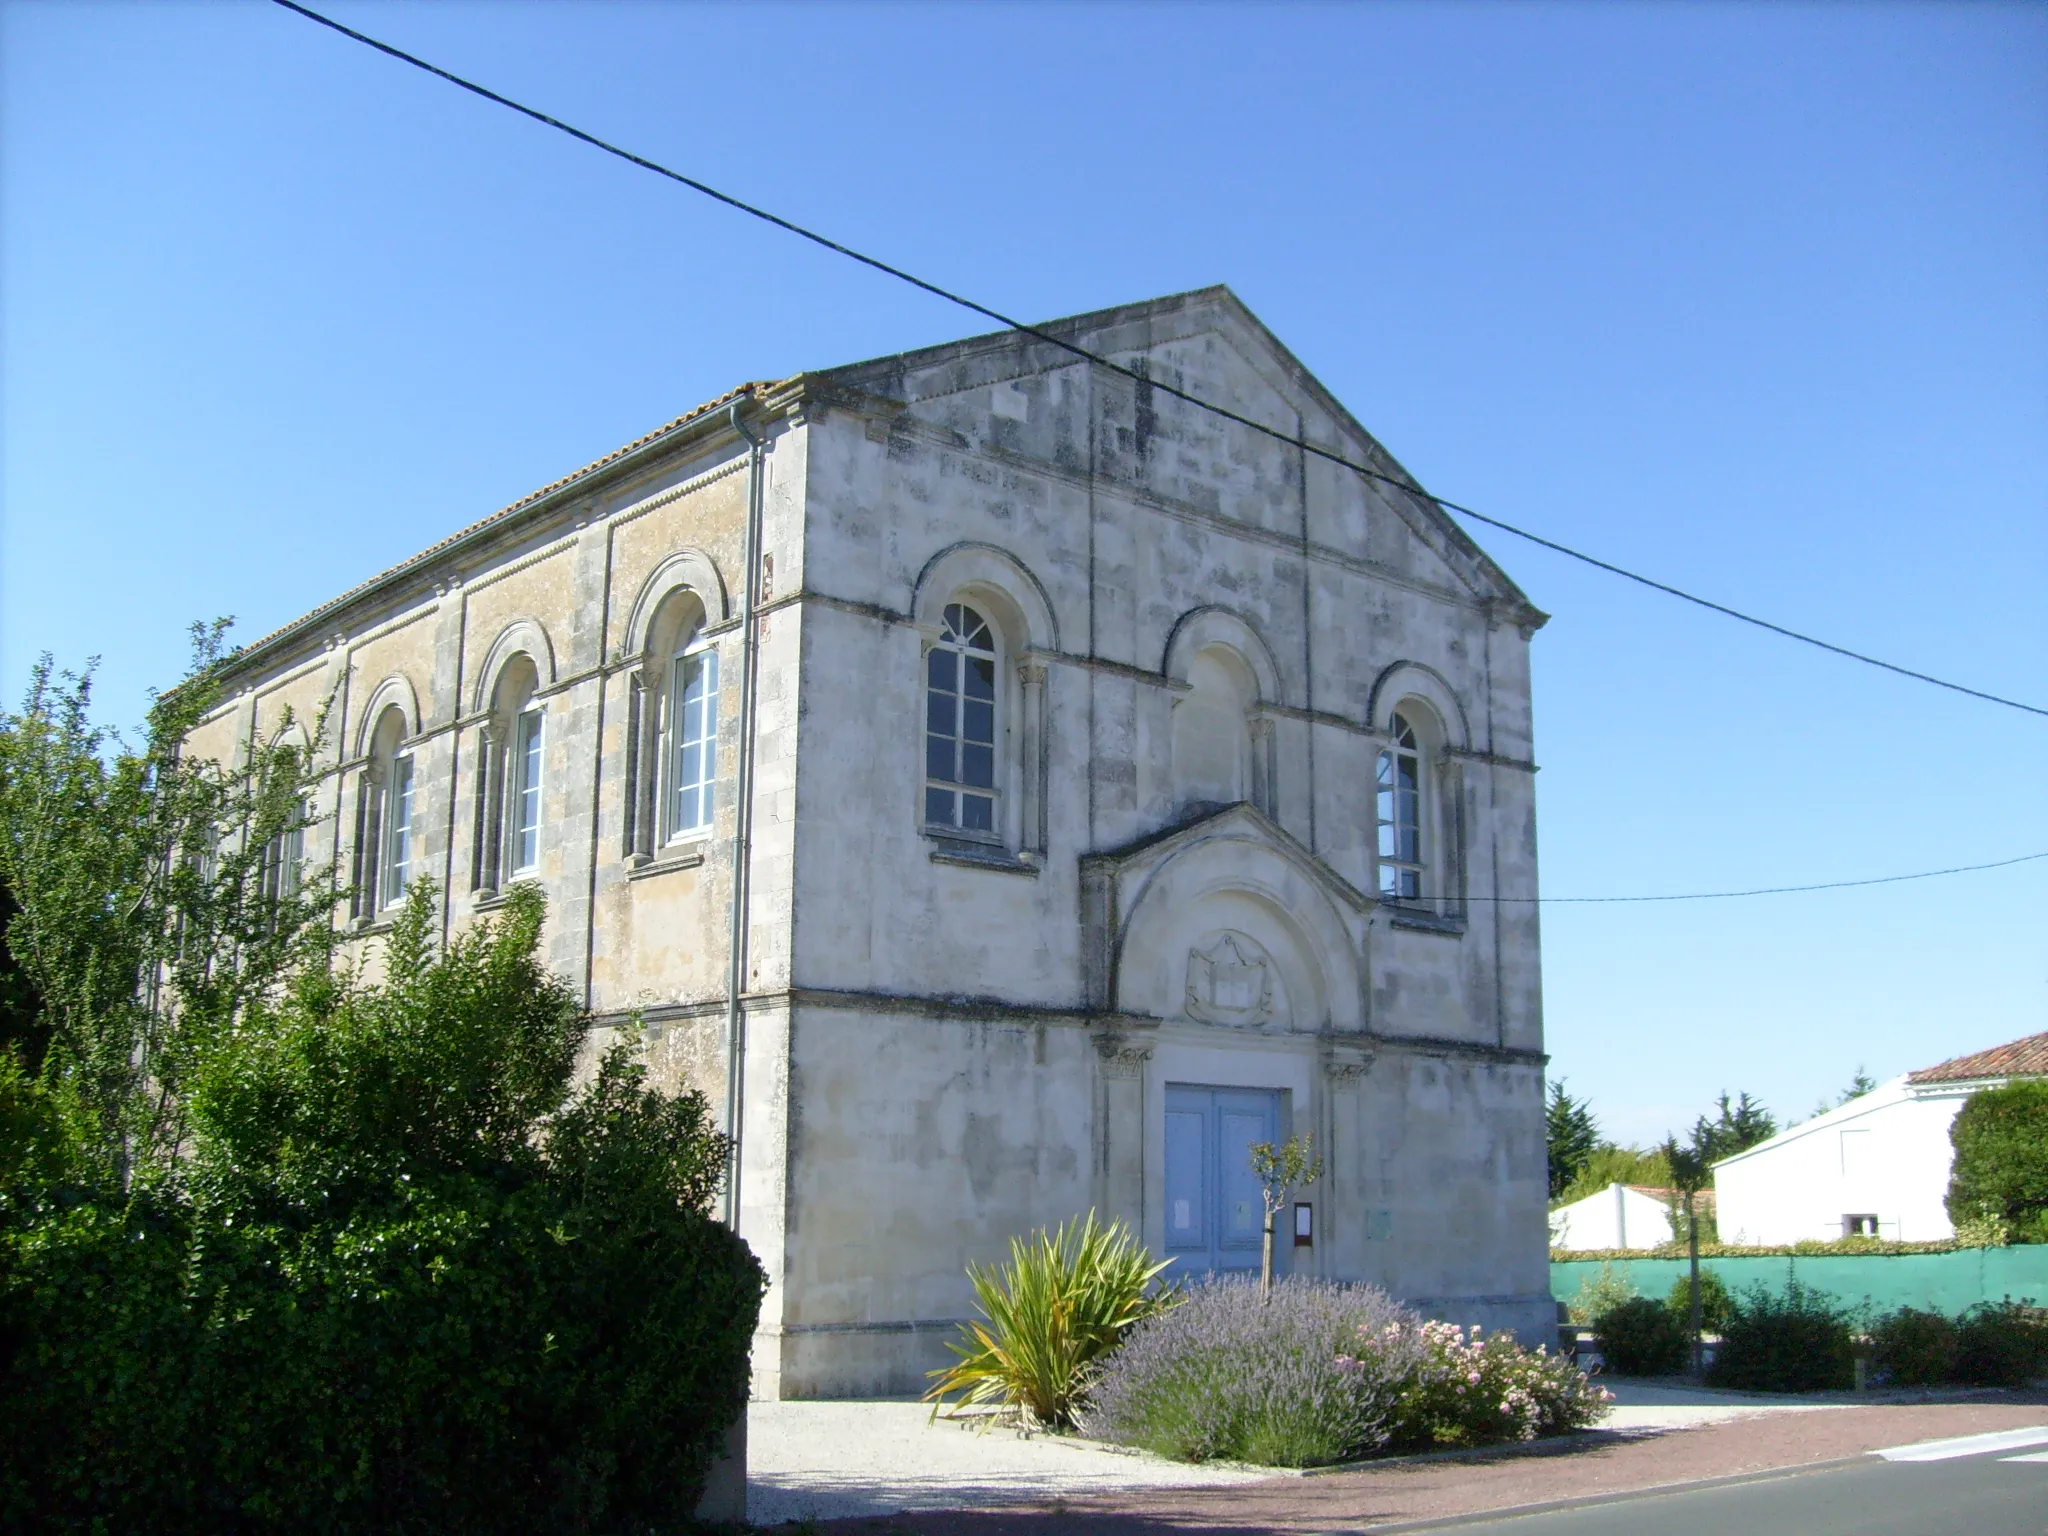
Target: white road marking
pixel 1969 1445
pixel 2041 1456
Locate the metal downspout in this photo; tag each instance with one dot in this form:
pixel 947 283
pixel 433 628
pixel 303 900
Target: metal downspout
pixel 742 832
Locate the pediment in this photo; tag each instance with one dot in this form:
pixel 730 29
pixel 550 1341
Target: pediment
pixel 1242 823
pixel 1226 919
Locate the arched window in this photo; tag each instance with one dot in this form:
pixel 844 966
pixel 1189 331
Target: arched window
pixel 960 726
pixel 672 762
pixel 1216 759
pixel 1402 852
pixel 511 766
pixel 528 733
pixel 692 738
pixel 387 835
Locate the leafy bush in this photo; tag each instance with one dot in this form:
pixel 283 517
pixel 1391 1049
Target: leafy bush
pixel 1641 1337
pixel 1601 1292
pixel 1716 1305
pixel 1242 1374
pixel 403 1281
pixel 1469 1391
pixel 1914 1348
pixel 2000 1170
pixel 2001 1344
pixel 1797 1340
pixel 1063 1301
pixel 1987 1228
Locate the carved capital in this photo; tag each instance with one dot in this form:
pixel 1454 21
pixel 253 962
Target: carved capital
pixel 1120 1057
pixel 1031 674
pixel 1346 1067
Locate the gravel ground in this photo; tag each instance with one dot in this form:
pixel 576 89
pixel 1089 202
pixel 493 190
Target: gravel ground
pixel 822 1461
pixel 1590 1466
pixel 837 1460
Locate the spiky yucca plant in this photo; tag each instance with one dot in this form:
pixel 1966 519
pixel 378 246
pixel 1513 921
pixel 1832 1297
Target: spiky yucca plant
pixel 1061 1303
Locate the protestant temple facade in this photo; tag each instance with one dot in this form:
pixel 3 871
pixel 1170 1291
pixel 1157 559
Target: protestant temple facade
pixel 1006 789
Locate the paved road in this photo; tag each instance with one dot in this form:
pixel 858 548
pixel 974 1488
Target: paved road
pixel 1984 1485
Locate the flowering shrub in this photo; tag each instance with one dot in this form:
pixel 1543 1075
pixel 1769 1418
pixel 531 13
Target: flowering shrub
pixel 1316 1373
pixel 1469 1389
pixel 1245 1375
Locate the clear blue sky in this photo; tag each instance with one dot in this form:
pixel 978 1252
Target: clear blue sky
pixel 1752 298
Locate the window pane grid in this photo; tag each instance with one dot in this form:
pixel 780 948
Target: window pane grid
pixel 1398 787
pixel 693 761
pixel 526 803
pixel 960 724
pixel 398 832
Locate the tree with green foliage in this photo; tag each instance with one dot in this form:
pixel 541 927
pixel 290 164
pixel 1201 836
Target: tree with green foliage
pixel 1609 1164
pixel 1280 1169
pixel 2000 1171
pixel 1573 1137
pixel 1735 1127
pixel 1692 1171
pixel 286 1248
pixel 145 903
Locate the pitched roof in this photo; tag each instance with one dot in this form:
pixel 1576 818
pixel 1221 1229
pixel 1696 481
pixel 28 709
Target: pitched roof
pixel 2027 1057
pixel 1425 507
pixel 426 556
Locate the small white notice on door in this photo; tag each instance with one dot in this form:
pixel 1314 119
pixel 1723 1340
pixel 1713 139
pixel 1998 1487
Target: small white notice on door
pixel 1183 1216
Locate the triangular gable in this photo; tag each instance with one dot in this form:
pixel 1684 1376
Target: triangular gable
pixel 980 362
pixel 1241 820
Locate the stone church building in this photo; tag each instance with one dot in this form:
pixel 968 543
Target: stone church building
pixel 1006 790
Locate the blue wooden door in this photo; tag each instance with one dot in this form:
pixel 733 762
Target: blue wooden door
pixel 1215 1219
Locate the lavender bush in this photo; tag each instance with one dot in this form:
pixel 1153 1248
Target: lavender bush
pixel 1278 1378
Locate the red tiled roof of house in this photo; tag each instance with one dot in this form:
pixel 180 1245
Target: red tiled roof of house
pixel 2021 1058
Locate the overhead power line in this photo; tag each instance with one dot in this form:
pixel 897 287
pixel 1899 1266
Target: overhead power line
pixel 1769 890
pixel 1293 440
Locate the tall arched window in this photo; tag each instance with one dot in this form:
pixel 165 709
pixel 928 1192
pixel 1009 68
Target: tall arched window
pixel 960 726
pixel 1401 849
pixel 387 838
pixel 692 738
pixel 528 739
pixel 511 771
pixel 672 758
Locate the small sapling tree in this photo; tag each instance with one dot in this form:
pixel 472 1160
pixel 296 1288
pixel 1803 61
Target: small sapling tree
pixel 1280 1171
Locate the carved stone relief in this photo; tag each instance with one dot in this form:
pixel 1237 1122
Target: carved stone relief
pixel 1230 982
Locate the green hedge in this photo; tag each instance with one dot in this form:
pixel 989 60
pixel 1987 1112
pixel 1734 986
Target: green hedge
pixel 407 1281
pixel 1843 1247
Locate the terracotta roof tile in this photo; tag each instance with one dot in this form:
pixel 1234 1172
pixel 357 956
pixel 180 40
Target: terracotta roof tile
pixel 426 555
pixel 2020 1058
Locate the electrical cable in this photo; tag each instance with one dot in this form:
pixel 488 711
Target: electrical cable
pixel 1769 890
pixel 1295 441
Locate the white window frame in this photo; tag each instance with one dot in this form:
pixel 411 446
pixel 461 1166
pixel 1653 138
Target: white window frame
pixel 283 855
pixel 957 640
pixel 676 742
pixel 526 776
pixel 1403 872
pixel 400 833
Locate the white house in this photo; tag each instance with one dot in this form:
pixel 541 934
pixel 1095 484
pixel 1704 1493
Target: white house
pixel 1619 1216
pixel 1877 1166
pixel 1007 789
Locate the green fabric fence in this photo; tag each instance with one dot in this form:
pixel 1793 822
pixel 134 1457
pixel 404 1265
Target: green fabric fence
pixel 1941 1282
